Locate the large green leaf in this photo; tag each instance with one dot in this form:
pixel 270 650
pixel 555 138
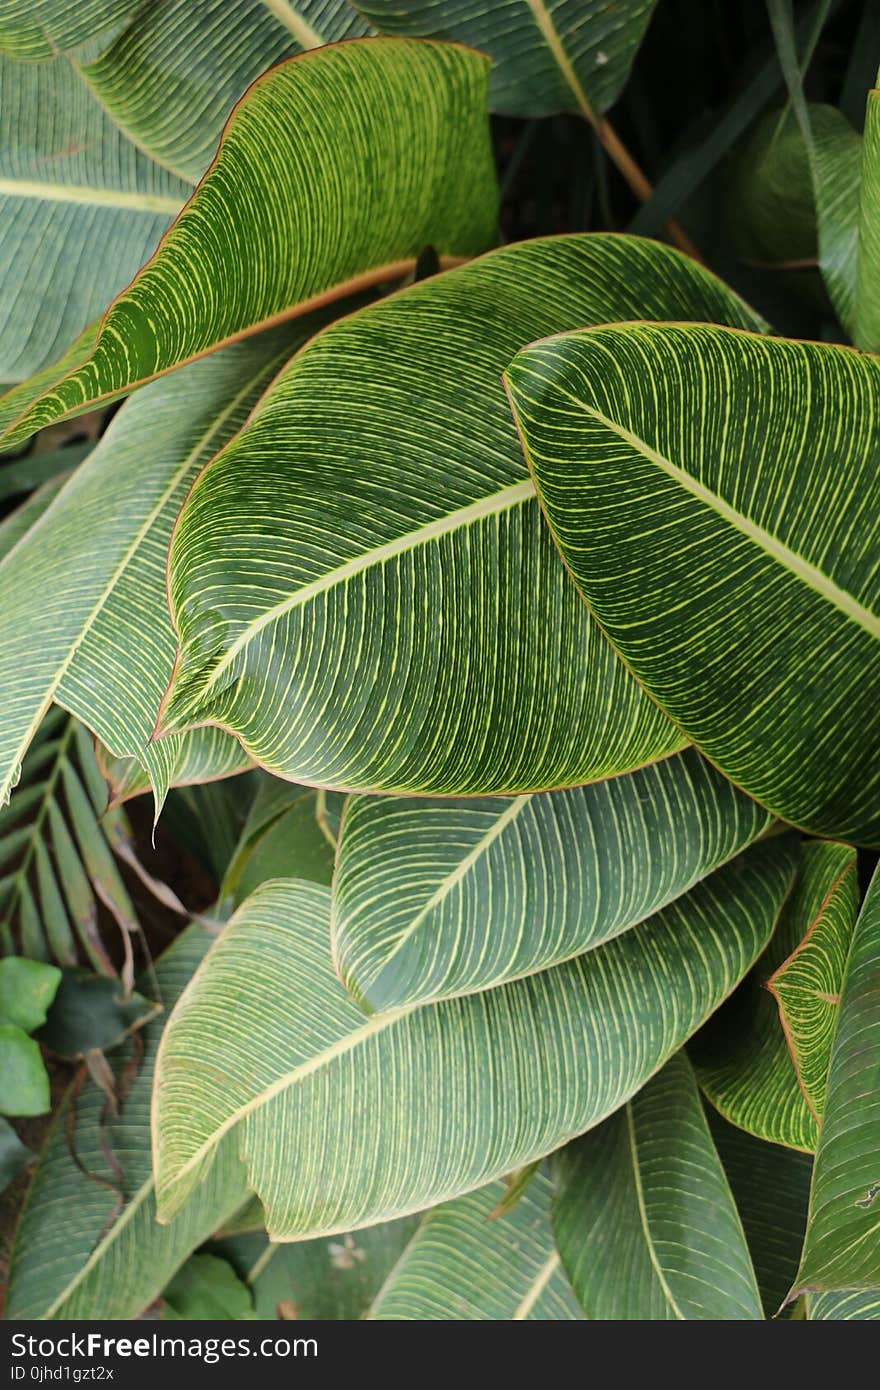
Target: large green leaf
pixel 80 207
pixel 36 29
pixel 644 1217
pixel 807 984
pixel 434 1100
pixel 842 1248
pixel 88 1244
pixel 715 497
pixel 845 1307
pixel 401 125
pixel 363 587
pixel 868 293
pixel 464 1264
pixel 548 55
pixel 437 898
pixel 171 77
pixel 329 1280
pixel 771 1188
pixel 83 614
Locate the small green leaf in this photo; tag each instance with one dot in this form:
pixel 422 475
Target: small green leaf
pixel 24 1084
pixel 207 1288
pixel 27 988
pixel 92 1011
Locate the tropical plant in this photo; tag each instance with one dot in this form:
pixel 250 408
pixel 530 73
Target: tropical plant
pixel 495 624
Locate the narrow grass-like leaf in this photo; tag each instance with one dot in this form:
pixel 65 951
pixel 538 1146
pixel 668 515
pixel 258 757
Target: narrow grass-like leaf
pixel 867 334
pixel 644 1217
pixel 464 1266
pixel 440 1099
pixel 714 495
pixel 400 123
pixel 842 1247
pixel 363 587
pixel 437 898
pixel 84 1248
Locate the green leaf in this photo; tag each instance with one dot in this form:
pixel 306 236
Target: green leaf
pixel 24 1085
pixel 714 494
pixel 18 523
pixel 37 468
pixel 840 1307
pixel 771 1188
pixel 440 1099
pixel 322 1279
pixel 401 124
pixel 85 585
pixel 281 838
pixel 92 1011
pixel 27 988
pixel 203 755
pixel 395 615
pixel 88 1244
pixel 433 898
pixel 171 77
pixel 743 1061
pixel 842 1248
pixel 14 1155
pixel 548 55
pixel 807 985
pixel 867 334
pixel 644 1217
pixel 464 1266
pixel 81 210
pixel 206 1288
pixel 37 29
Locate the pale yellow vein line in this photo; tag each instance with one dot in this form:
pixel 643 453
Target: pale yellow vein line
pixel 460 871
pixel 290 17
pixel 434 530
pixel 643 1216
pixel 265 1257
pixel 96 197
pixel 133 1207
pixel 537 1287
pixel 802 569
pixel 550 35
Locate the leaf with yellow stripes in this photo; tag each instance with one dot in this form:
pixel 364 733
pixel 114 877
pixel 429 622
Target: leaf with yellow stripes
pixel 715 496
pixel 807 984
pixel 363 587
pixel 644 1217
pixel 548 55
pixel 401 124
pixel 462 1265
pixel 433 1100
pixel 433 898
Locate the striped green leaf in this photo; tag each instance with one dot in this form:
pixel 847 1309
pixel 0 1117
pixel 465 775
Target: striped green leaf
pixel 173 74
pixel 844 1307
pixel 56 864
pixel 807 985
pixel 644 1217
pixel 433 898
pixel 867 333
pixel 203 755
pixel 34 30
pixel 842 1247
pixel 328 1280
pixel 743 1062
pixel 438 1099
pixel 714 495
pixel 394 615
pixel 548 55
pixel 87 1243
pixel 81 208
pixel 771 1188
pixel 83 613
pixel 400 124
pixel 464 1265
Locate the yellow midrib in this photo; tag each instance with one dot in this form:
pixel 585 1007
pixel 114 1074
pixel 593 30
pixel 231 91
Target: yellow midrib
pixel 550 35
pixel 292 20
pixel 81 193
